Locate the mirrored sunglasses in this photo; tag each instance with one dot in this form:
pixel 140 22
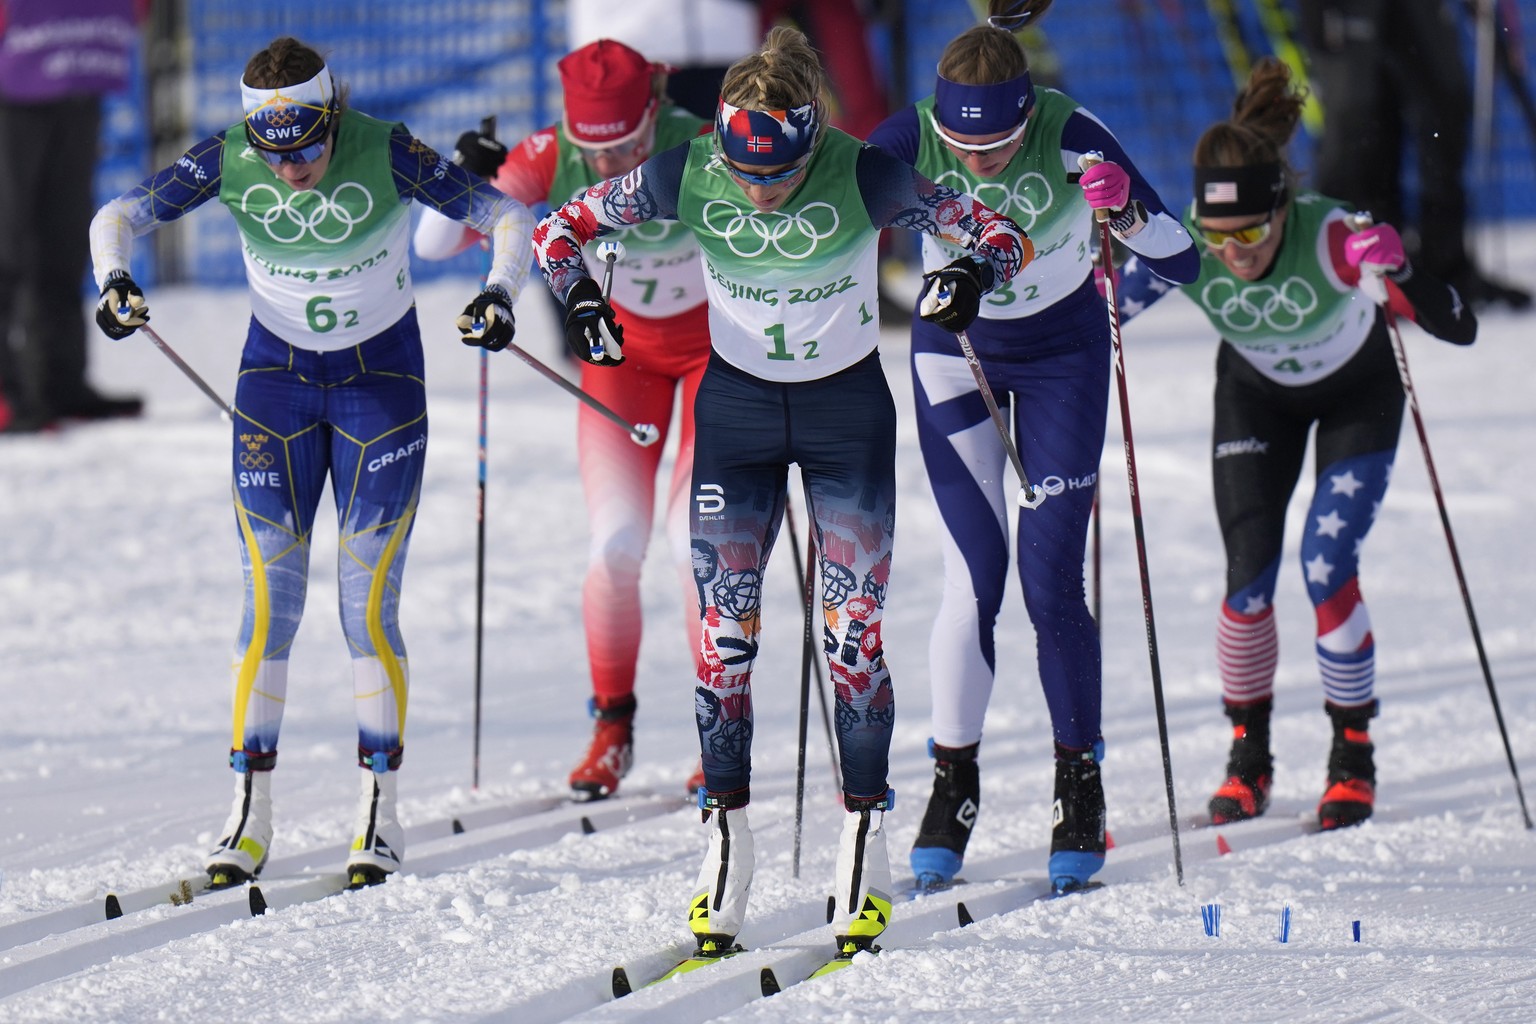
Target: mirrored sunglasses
pixel 1246 238
pixel 303 155
pixel 985 148
pixel 775 178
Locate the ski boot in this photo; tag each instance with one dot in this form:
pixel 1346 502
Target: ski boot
pixel 862 898
pixel 1250 768
pixel 1351 791
pixel 719 903
pixel 939 849
pixel 246 837
pixel 1077 818
pixel 378 843
pixel 612 751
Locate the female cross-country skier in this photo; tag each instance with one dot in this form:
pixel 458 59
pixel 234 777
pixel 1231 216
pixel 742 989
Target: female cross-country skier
pixel 1043 339
pixel 787 212
pixel 330 386
pixel 1292 283
pixel 616 115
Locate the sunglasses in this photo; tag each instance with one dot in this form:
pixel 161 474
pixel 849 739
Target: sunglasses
pixel 302 155
pixel 775 178
pixel 1246 238
pixel 985 148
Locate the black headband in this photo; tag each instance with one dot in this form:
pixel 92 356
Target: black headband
pixel 1239 191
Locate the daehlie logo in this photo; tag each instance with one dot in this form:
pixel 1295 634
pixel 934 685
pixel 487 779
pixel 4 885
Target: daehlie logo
pixel 710 499
pixel 1251 446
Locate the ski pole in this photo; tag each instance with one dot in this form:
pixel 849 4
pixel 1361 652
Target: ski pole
pixel 181 364
pixel 1029 495
pixel 643 434
pixel 611 250
pixel 805 572
pixel 488 129
pixel 1106 243
pixel 1362 221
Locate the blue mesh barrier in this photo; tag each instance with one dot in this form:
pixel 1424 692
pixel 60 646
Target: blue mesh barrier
pixel 1153 70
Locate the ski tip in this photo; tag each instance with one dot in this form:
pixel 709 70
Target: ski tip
pixel 458 827
pixel 831 908
pixel 964 914
pixel 258 901
pixel 621 985
pixel 113 907
pixel 587 828
pixel 769 982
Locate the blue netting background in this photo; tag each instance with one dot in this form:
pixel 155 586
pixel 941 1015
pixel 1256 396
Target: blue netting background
pixel 1153 70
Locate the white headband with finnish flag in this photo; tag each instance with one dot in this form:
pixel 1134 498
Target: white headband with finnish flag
pixel 289 116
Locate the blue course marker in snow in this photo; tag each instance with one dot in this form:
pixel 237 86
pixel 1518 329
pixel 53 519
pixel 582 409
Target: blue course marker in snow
pixel 1285 925
pixel 1356 926
pixel 1210 916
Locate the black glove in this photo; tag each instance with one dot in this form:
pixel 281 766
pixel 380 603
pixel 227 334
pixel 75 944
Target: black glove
pixel 487 321
pixel 122 309
pixel 479 153
pixel 591 331
pixel 951 295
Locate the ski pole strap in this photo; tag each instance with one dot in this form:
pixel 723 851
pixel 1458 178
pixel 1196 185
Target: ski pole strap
pixel 884 802
pixel 380 761
pixel 244 761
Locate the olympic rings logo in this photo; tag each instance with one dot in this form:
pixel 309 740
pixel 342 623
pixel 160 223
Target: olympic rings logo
pixel 1024 199
pixel 256 460
pixel 793 236
pixel 281 115
pixel 1280 308
pixel 289 218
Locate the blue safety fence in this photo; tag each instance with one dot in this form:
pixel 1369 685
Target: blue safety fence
pixel 1153 70
pixel 1156 73
pixel 439 67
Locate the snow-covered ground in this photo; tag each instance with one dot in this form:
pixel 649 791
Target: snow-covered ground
pixel 119 597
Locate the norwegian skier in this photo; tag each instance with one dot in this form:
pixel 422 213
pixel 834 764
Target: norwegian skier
pixel 787 213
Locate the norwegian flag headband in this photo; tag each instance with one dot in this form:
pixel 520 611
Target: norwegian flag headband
pixel 765 137
pixel 290 116
pixel 1239 191
pixel 983 109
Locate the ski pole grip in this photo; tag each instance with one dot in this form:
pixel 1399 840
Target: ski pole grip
pixel 1084 162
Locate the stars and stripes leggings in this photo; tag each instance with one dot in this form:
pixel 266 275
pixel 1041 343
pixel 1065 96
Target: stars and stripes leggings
pixel 1258 445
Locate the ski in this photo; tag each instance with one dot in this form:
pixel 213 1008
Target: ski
pixel 623 986
pixel 918 889
pixel 768 979
pixel 1011 901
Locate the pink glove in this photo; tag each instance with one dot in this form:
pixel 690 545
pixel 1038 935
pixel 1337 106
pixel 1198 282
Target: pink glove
pixel 1376 250
pixel 1106 186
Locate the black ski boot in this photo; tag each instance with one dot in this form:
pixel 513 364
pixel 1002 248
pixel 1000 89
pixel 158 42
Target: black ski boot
pixel 1250 768
pixel 940 847
pixel 1077 819
pixel 1351 793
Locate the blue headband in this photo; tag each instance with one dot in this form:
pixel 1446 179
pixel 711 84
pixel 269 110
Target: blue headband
pixel 983 109
pixel 765 137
